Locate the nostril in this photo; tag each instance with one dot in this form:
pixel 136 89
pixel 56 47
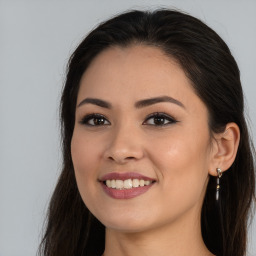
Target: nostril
pixel 120 159
pixel 130 157
pixel 111 158
pixel 123 155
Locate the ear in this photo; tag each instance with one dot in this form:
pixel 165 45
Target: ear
pixel 225 145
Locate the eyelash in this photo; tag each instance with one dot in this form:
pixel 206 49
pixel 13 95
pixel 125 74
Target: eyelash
pixel 162 117
pixel 94 117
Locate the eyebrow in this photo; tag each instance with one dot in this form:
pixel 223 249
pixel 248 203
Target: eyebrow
pixel 151 101
pixel 98 102
pixel 138 104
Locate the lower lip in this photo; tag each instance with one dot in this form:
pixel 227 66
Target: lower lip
pixel 125 193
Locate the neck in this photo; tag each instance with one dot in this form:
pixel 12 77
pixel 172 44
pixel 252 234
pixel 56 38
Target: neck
pixel 182 238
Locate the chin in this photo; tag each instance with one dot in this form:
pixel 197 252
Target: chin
pixel 126 224
pixel 124 228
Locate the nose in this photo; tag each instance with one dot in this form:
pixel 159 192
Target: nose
pixel 125 145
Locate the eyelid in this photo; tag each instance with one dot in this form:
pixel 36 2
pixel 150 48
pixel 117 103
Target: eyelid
pixel 86 118
pixel 160 114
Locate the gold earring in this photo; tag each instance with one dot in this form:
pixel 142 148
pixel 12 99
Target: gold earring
pixel 219 174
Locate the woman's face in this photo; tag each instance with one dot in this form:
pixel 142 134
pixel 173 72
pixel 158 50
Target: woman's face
pixel 141 146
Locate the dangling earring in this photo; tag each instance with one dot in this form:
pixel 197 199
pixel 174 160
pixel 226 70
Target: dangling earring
pixel 219 174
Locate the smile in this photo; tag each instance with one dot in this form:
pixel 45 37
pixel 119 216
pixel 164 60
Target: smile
pixel 125 185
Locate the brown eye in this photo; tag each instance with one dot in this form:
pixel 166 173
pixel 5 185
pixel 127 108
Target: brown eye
pixel 95 120
pixel 159 119
pixel 98 121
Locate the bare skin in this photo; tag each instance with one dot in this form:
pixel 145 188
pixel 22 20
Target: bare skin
pixel 167 140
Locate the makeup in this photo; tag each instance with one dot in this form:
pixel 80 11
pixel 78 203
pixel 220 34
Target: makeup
pixel 126 185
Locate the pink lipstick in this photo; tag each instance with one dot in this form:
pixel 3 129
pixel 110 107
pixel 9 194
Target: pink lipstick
pixel 125 185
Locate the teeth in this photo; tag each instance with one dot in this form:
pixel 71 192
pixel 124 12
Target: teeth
pixel 136 183
pixel 127 184
pixel 108 183
pixel 113 184
pixel 119 184
pixel 147 182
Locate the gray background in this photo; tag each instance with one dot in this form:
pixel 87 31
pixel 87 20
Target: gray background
pixel 36 39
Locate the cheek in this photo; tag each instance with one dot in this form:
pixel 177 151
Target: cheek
pixel 84 156
pixel 180 150
pixel 83 153
pixel 182 164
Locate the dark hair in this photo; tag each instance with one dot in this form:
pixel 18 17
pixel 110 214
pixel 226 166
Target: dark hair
pixel 214 75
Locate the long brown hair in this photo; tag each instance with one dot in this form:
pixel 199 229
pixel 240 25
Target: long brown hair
pixel 207 61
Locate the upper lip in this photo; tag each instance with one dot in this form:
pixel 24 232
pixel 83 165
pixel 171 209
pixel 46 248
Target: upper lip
pixel 124 176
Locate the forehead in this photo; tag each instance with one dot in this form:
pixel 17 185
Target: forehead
pixel 135 72
pixel 135 60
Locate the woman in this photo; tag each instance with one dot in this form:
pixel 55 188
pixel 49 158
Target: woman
pixel 157 156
